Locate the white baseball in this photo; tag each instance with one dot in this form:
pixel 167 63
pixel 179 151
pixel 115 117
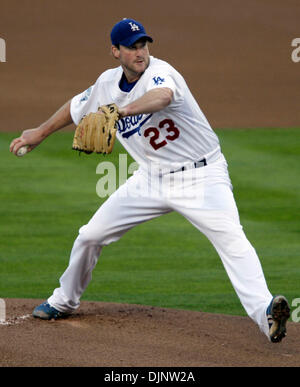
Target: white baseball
pixel 22 151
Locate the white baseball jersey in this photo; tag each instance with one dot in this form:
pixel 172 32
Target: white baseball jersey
pixel 177 135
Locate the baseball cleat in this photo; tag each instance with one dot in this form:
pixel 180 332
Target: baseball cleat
pixel 46 312
pixel 278 312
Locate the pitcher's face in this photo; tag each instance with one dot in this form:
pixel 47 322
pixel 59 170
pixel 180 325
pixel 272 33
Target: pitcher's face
pixel 134 59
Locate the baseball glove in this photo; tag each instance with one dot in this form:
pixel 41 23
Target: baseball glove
pixel 96 132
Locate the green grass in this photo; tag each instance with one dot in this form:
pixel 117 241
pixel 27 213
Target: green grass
pixel 46 196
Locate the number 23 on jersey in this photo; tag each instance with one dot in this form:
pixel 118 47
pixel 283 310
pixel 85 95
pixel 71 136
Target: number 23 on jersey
pixel 157 137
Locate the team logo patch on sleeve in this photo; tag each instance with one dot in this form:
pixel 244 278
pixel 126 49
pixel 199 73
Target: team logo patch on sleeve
pixel 86 94
pixel 158 80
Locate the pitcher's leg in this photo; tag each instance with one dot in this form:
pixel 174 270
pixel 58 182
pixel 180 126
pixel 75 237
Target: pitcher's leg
pixel 215 214
pixel 73 282
pixel 241 263
pixel 116 216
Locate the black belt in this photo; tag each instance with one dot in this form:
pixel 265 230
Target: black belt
pixel 197 164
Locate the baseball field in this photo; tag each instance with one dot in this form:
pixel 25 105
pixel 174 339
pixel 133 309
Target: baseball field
pixel 159 296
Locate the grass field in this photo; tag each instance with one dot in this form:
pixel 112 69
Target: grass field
pixel 46 196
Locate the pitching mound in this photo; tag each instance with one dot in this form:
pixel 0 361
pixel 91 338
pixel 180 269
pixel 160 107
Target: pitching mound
pixel 121 335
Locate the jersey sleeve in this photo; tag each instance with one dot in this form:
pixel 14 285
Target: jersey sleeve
pixel 163 78
pixel 84 103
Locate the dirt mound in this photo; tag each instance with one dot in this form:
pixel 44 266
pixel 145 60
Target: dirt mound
pixel 121 335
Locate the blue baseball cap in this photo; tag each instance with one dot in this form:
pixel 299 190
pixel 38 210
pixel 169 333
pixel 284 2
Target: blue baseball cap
pixel 127 32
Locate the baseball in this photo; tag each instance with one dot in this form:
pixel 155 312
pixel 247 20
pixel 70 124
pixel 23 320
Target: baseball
pixel 22 151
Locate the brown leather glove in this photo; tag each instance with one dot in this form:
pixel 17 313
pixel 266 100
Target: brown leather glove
pixel 96 132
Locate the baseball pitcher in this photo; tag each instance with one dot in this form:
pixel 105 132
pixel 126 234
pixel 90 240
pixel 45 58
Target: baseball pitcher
pixel 147 105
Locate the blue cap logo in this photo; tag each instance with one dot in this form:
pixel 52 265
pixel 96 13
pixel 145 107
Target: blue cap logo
pixel 134 27
pixel 127 32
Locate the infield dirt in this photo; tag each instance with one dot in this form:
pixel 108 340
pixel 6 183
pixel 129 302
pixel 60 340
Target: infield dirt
pixel 236 58
pixel 122 335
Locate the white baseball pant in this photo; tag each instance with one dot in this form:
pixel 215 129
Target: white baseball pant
pixel 204 197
